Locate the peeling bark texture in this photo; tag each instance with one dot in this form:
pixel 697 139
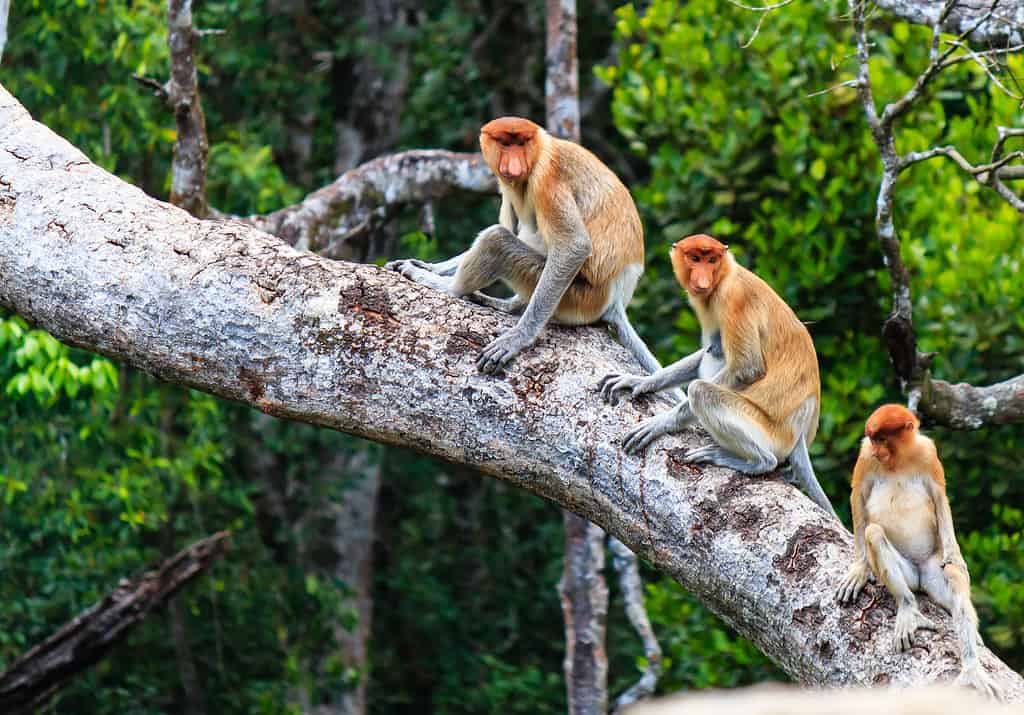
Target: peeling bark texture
pixel 223 308
pixel 584 595
pixel 191 147
pixel 966 407
pixel 34 678
pixel 1003 26
pixel 957 406
pixel 360 201
pixel 632 588
pixel 562 86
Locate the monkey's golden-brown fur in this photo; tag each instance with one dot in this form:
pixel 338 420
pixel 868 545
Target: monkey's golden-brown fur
pixel 559 173
pixel 568 241
pixel 766 346
pixel 903 535
pixel 756 390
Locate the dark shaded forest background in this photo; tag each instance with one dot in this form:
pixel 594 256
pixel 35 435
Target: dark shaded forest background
pixel 104 470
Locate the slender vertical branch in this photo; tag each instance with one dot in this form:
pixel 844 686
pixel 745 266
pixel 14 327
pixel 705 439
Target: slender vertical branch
pixel 625 563
pixel 582 588
pixel 5 10
pixel 188 170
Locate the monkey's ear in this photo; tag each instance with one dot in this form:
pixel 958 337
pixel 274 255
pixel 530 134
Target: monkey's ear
pixel 910 424
pixel 725 246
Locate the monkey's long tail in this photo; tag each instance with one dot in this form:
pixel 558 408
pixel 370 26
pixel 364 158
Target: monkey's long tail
pixel 617 318
pixel 804 473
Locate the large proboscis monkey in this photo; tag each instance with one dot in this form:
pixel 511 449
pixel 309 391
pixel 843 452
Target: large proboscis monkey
pixel 569 242
pixel 903 536
pixel 758 392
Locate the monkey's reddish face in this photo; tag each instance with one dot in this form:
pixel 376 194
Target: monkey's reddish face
pixel 888 428
pixel 697 262
pixel 509 147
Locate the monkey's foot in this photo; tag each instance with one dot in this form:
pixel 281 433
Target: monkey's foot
pixel 976 677
pixel 496 355
pixel 713 454
pixel 645 433
pixel 417 274
pixel 854 582
pixel 908 620
pixel 614 386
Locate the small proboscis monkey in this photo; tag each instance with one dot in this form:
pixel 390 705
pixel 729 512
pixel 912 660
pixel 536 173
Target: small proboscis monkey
pixel 903 536
pixel 569 242
pixel 758 392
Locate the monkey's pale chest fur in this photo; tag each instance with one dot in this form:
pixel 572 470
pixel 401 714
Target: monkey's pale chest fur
pixel 903 506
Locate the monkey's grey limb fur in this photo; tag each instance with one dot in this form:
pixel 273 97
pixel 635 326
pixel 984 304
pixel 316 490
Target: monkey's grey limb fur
pixel 673 420
pixel 678 373
pixel 803 472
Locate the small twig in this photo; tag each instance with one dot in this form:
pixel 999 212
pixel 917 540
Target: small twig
pixel 206 32
pixel 626 565
pixel 764 9
pixel 847 83
pixel 159 90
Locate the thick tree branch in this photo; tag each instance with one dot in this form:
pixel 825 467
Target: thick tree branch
pixel 38 674
pixel 975 19
pixel 221 307
pixel 363 199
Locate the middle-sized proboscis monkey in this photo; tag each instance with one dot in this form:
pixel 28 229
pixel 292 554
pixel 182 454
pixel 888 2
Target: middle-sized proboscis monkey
pixel 903 536
pixel 569 242
pixel 758 392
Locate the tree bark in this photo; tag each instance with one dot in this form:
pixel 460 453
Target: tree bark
pixel 38 674
pixel 224 308
pixel 360 201
pixel 1004 26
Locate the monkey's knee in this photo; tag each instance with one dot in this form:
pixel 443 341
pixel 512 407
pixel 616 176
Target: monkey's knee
pixel 702 395
pixel 874 535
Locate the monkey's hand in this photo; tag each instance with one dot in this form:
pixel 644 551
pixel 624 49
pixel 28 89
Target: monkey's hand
pixel 415 262
pixel 976 677
pixel 613 386
pixel 853 584
pixel 496 355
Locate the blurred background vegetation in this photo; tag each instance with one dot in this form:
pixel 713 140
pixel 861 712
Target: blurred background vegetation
pixel 104 470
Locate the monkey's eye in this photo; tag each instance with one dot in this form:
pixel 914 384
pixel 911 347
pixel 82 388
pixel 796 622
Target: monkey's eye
pixel 713 259
pixel 695 259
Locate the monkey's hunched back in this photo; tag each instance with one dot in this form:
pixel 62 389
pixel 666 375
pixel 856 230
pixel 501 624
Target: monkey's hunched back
pixel 785 342
pixel 607 208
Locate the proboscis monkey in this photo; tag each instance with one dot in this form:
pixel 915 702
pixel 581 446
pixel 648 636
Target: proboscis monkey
pixel 903 536
pixel 569 242
pixel 757 392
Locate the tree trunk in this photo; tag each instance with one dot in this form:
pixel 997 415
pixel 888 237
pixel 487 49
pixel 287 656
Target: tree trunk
pixel 221 307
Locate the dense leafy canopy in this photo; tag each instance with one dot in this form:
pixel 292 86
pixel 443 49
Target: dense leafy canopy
pixel 104 469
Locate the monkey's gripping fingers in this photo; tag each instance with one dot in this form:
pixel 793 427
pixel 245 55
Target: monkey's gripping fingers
pixel 854 582
pixel 403 262
pixel 496 355
pixel 974 676
pixel 645 433
pixel 612 387
pixel 415 273
pixel 908 620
